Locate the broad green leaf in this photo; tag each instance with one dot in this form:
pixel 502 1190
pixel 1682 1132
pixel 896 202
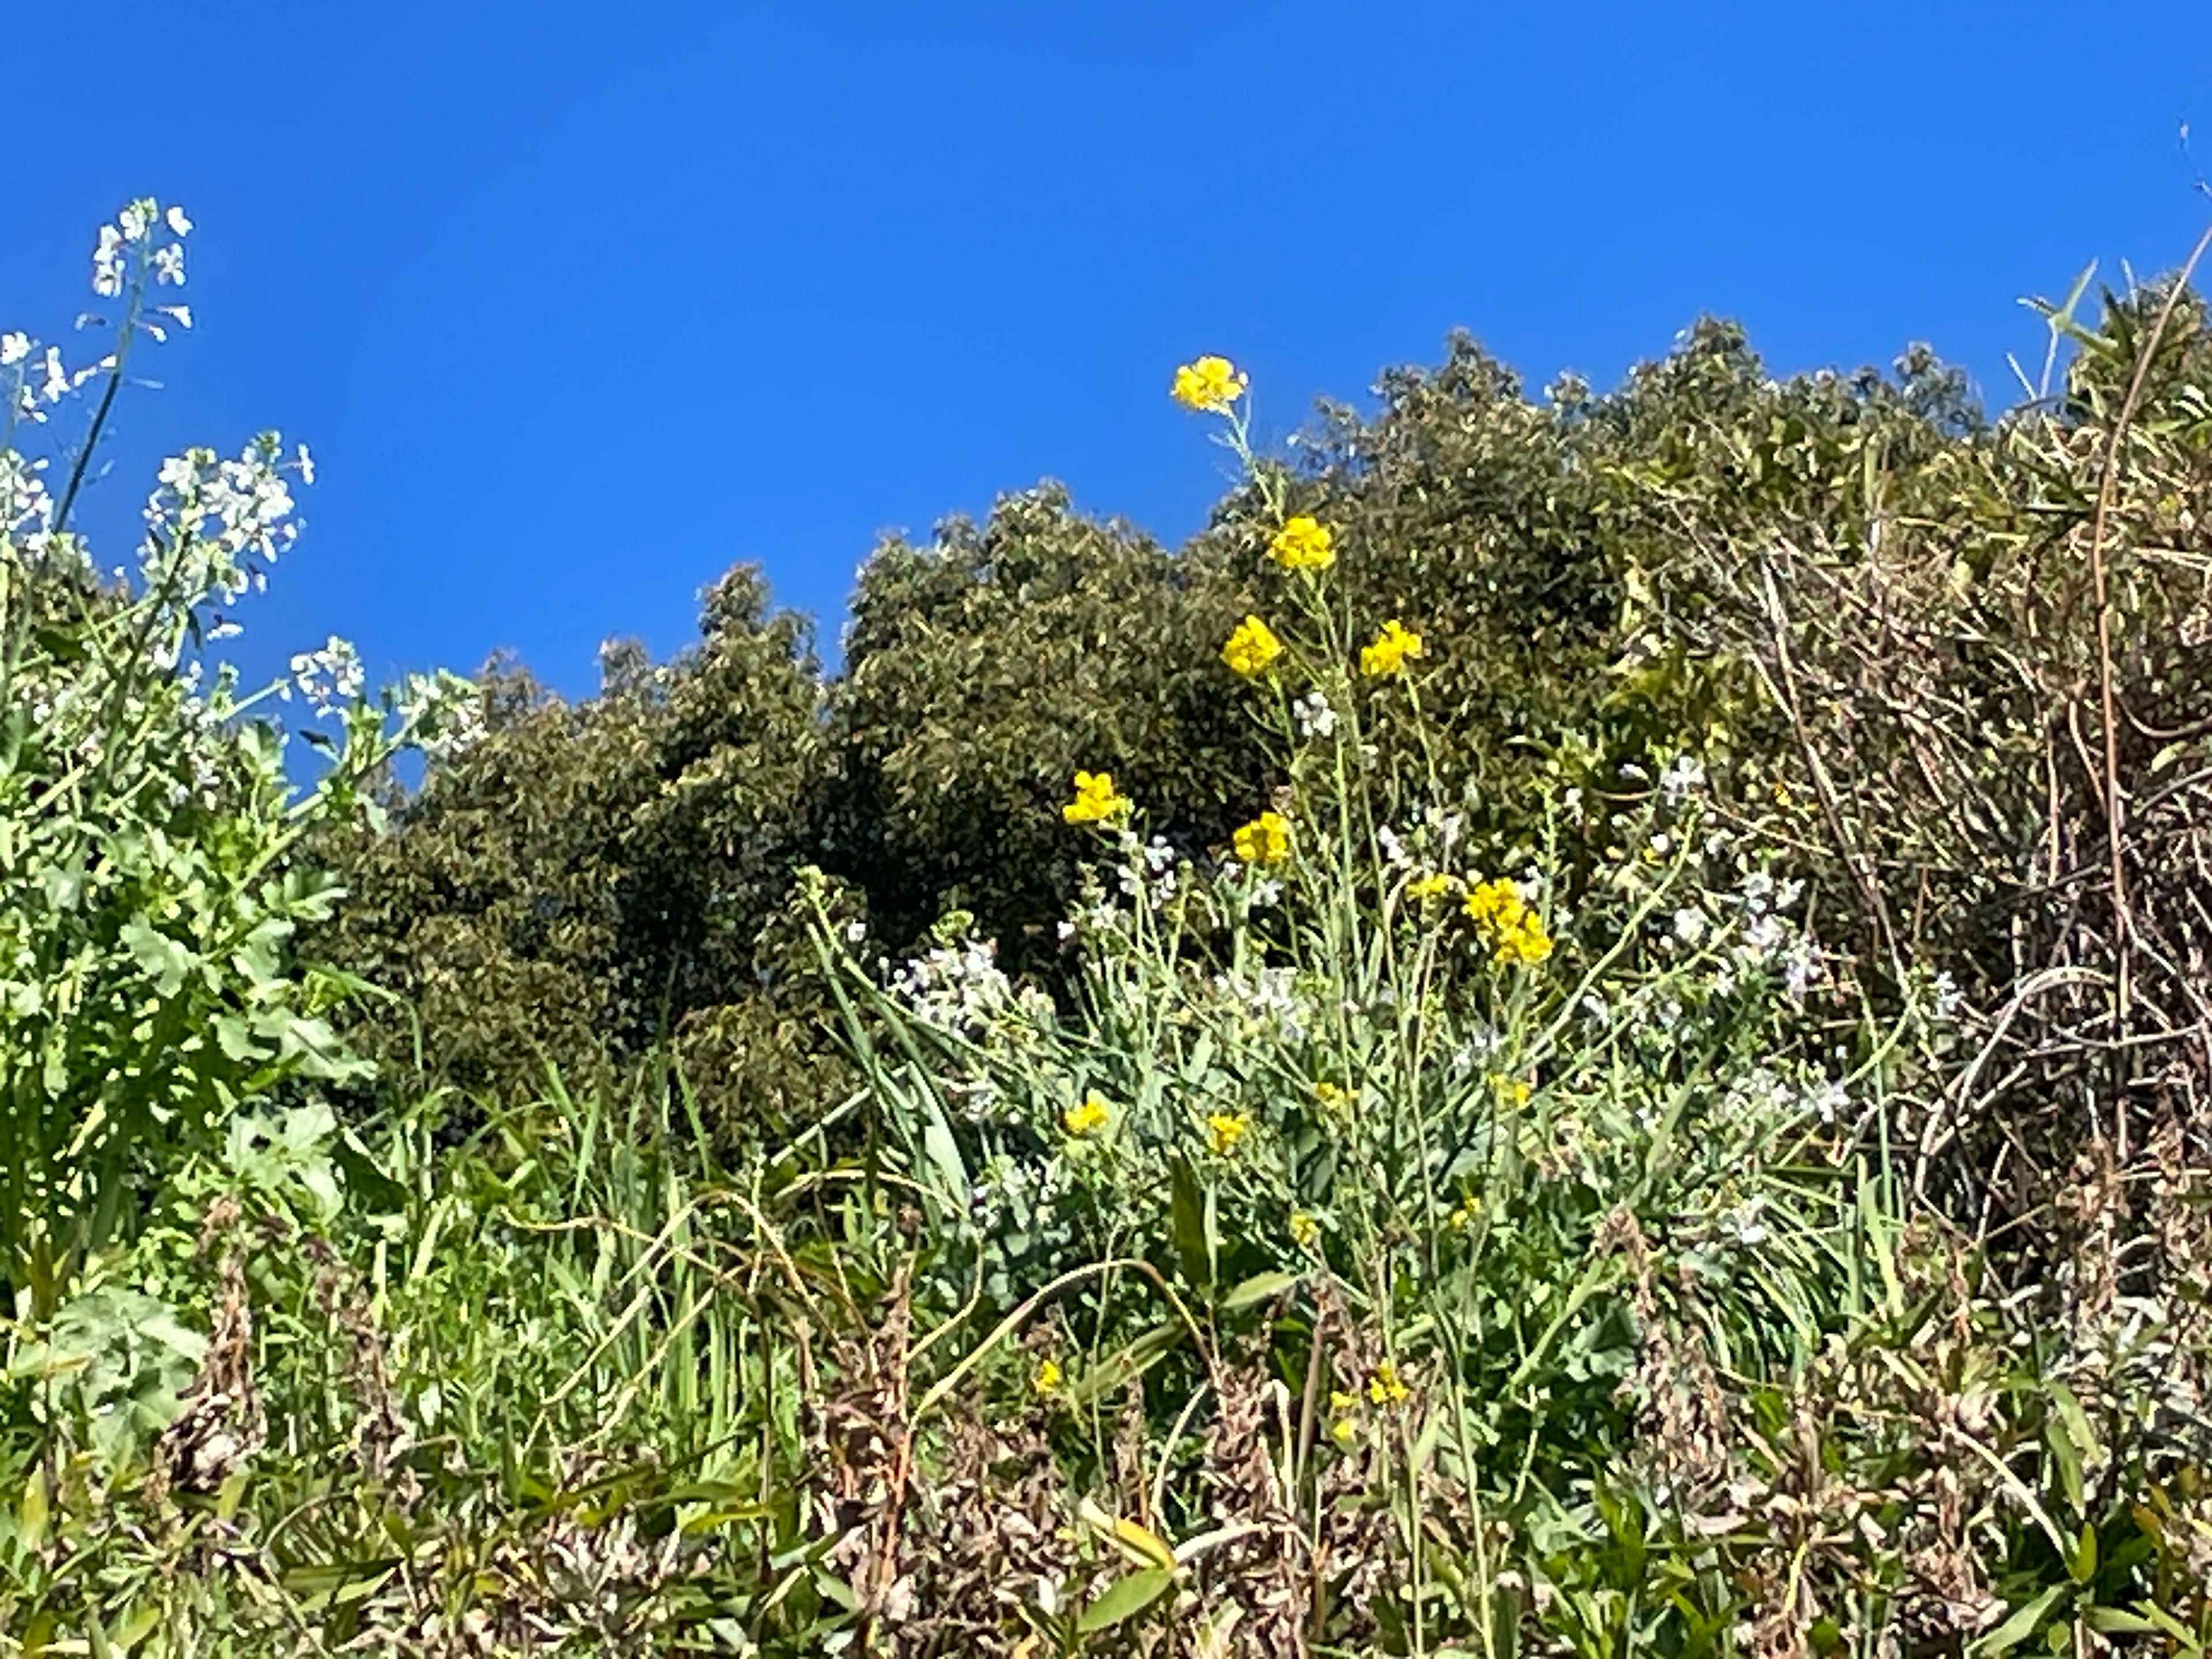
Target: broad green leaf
pixel 1124 1598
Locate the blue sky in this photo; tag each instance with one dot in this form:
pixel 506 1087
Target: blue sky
pixel 578 305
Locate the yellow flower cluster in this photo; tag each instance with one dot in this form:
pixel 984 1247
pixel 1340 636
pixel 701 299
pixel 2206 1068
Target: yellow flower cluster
pixel 1251 647
pixel 1266 840
pixel 1209 384
pixel 1385 1388
pixel 1344 1413
pixel 1305 1230
pixel 1388 655
pixel 1092 1114
pixel 1434 886
pixel 1096 801
pixel 1048 1378
pixel 1514 931
pixel 1303 543
pixel 1224 1129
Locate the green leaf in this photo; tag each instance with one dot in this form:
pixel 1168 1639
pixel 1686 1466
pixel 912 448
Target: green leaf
pixel 2083 1567
pixel 2017 1629
pixel 1124 1598
pixel 1260 1287
pixel 1193 1240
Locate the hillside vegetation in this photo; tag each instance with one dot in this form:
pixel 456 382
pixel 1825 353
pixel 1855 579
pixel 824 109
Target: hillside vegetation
pixel 1580 1030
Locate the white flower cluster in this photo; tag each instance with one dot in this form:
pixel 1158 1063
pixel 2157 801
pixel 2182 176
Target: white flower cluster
pixel 441 713
pixel 27 511
pixel 1009 1192
pixel 1270 1002
pixel 136 237
pixel 1315 717
pixel 327 678
pixel 957 989
pixel 213 525
pixel 1149 870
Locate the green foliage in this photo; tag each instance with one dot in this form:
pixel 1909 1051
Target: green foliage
pixel 1624 1075
pixel 148 905
pixel 589 879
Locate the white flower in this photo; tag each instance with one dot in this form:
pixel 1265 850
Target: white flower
pixel 328 677
pixel 107 264
pixel 182 315
pixel 855 932
pixel 1764 936
pixel 1684 774
pixel 177 222
pixel 133 221
pixel 1315 717
pixel 14 347
pixel 1829 1102
pixel 1800 969
pixel 1394 849
pixel 958 989
pixel 1690 925
pixel 57 381
pixel 169 264
pixel 1949 998
pixel 303 463
pixel 1267 893
pixel 1066 931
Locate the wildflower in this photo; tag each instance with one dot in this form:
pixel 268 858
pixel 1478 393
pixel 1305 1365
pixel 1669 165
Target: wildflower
pixel 1209 384
pixel 1331 1096
pixel 1092 1114
pixel 1096 801
pixel 1266 840
pixel 1251 647
pixel 1388 655
pixel 1315 717
pixel 1344 1415
pixel 1510 1090
pixel 1434 886
pixel 1516 932
pixel 1305 1229
pixel 326 678
pixel 1303 543
pixel 1465 1213
pixel 1224 1129
pixel 1048 1378
pixel 1385 1388
pixel 1684 775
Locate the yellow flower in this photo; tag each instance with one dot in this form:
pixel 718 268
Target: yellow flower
pixel 1224 1129
pixel 1526 945
pixel 1092 1114
pixel 1095 802
pixel 1304 1230
pixel 1303 543
pixel 1516 932
pixel 1344 1408
pixel 1266 840
pixel 1209 384
pixel 1465 1213
pixel 1251 647
pixel 1388 655
pixel 1384 1388
pixel 1433 885
pixel 1048 1378
pixel 1330 1095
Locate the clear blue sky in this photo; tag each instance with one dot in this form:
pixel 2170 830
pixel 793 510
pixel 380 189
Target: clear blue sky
pixel 578 305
